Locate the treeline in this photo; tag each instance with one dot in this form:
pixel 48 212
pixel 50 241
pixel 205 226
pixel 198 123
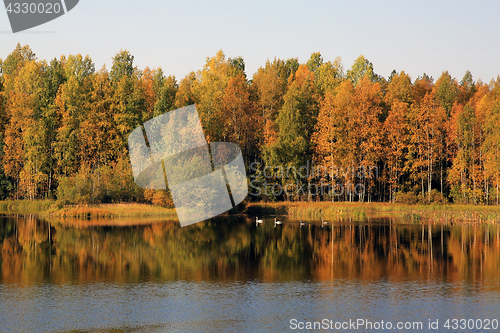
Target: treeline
pixel 64 128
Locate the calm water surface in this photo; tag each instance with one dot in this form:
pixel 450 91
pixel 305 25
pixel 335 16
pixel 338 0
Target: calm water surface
pixel 230 275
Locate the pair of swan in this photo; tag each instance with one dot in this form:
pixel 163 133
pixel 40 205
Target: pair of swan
pixel 257 222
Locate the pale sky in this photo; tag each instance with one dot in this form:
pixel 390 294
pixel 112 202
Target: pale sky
pixel 414 36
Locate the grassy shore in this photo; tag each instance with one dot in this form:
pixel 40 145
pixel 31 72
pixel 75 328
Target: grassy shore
pixel 440 213
pixel 125 210
pixel 38 207
pixel 51 208
pixel 296 210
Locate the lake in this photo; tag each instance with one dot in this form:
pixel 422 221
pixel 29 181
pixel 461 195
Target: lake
pixel 228 274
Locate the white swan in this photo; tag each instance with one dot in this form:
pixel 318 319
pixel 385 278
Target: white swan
pixel 257 221
pixel 277 222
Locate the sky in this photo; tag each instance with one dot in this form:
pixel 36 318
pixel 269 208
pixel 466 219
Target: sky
pixel 415 36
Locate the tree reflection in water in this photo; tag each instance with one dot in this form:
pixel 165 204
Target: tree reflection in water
pixel 235 249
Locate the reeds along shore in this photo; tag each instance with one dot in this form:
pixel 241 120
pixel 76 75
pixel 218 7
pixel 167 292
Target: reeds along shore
pixel 436 213
pixel 296 210
pixel 51 208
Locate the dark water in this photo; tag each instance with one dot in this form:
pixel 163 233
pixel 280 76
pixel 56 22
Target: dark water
pixel 230 275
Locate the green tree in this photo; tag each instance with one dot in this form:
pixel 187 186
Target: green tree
pixel 71 108
pixel 446 91
pixel 361 68
pixel 123 65
pixel 166 93
pixel 314 62
pixel 16 60
pixel 328 76
pixel 129 106
pixel 26 158
pixel 295 124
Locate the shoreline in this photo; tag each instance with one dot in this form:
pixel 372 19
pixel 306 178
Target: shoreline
pixel 450 213
pixel 111 211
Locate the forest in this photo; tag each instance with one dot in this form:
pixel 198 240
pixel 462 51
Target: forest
pixel 64 127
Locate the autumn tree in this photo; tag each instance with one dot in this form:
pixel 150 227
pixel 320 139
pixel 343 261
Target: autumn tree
pixel 333 147
pixel 240 126
pixel 185 94
pixel 10 68
pixel 399 97
pixel 468 173
pixel 396 136
pixel 422 86
pixel 295 123
pixel 400 89
pixel 72 107
pixel 349 135
pixel 467 88
pixel 210 89
pixel 26 158
pixel 268 86
pixel 64 126
pixel 490 105
pixel 368 134
pixel 425 149
pixel 129 106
